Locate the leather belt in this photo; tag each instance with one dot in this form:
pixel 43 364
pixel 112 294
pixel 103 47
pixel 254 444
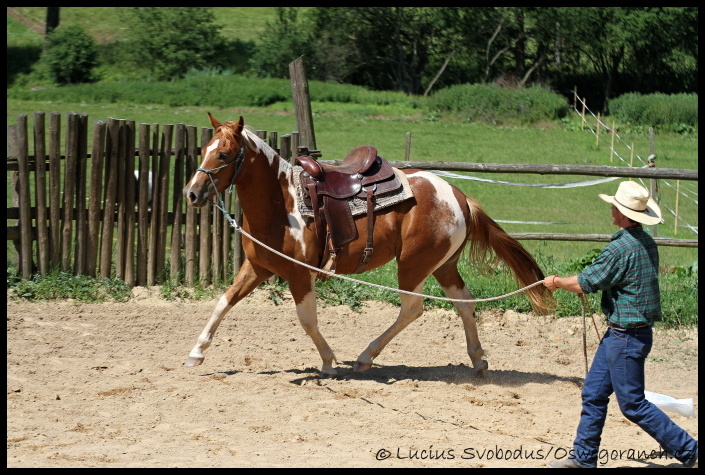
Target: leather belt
pixel 617 327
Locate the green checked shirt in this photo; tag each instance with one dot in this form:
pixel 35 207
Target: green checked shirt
pixel 627 274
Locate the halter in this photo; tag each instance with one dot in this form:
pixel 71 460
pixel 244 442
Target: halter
pixel 239 160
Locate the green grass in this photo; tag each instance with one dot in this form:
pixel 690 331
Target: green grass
pixel 576 210
pixel 579 208
pixel 238 23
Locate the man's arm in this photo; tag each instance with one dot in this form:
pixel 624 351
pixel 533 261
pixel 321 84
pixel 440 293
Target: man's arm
pixel 553 283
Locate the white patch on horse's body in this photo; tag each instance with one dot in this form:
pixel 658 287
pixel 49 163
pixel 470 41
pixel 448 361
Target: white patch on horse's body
pixel 455 229
pixel 260 144
pixel 296 220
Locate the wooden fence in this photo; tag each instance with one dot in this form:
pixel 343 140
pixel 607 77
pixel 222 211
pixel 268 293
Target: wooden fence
pixel 90 215
pixel 98 219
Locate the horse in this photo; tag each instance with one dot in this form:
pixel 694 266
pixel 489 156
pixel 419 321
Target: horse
pixel 426 234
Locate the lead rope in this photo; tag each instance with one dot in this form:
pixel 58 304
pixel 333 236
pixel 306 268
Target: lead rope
pixel 221 206
pixel 585 303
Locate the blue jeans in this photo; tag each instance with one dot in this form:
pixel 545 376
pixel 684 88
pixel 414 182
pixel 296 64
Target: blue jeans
pixel 618 367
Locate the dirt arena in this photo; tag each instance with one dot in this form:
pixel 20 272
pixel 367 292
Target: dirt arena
pixel 103 385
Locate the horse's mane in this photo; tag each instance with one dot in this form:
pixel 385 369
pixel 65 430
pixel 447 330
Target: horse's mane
pixel 252 140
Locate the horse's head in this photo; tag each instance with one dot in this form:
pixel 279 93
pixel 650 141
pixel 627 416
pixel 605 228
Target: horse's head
pixel 222 160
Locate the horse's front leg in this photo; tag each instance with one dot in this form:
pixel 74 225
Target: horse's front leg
pixel 411 309
pixel 304 294
pixel 246 280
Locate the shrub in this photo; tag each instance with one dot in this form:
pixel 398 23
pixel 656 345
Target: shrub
pixel 70 54
pixel 677 112
pixel 493 104
pixel 170 41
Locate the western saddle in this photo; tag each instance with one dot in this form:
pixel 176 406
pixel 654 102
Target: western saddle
pixel 328 189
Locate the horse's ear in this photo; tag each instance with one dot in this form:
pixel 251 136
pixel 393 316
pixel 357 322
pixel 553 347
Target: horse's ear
pixel 214 121
pixel 241 124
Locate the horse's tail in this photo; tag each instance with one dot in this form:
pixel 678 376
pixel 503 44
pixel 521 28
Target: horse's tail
pixel 489 243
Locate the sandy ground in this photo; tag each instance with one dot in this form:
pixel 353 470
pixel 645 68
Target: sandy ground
pixel 103 385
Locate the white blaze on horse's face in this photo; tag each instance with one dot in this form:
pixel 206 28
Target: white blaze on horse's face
pixel 200 188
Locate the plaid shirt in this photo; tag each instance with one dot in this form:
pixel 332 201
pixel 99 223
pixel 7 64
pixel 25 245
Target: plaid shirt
pixel 627 274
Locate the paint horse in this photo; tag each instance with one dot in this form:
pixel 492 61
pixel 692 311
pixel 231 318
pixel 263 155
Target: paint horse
pixel 426 234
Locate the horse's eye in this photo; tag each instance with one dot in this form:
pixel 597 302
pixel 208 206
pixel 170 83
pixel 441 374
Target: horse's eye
pixel 223 156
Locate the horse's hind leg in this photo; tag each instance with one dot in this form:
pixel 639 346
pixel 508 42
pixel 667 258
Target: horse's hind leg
pixel 246 280
pixel 454 287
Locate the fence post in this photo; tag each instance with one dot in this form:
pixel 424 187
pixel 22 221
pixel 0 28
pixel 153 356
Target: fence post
pixel 163 213
pixel 191 243
pixel 597 131
pixel 40 193
pixel 25 204
pixel 12 152
pixel 111 163
pixel 55 166
pixel 302 103
pixel 205 245
pixel 130 198
pixel 96 187
pixel 81 235
pixel 69 192
pixel 153 230
pixel 295 140
pixel 653 183
pixel 407 149
pixel 144 182
pixel 177 207
pixel 612 142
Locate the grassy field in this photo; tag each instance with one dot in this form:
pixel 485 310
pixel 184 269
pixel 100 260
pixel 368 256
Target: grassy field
pixel 571 210
pixel 241 23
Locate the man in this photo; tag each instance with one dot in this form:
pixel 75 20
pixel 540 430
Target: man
pixel 627 274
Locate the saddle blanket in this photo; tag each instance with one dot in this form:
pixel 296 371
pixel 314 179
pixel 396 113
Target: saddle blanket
pixel 358 205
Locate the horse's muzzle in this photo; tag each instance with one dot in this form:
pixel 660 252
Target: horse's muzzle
pixel 196 196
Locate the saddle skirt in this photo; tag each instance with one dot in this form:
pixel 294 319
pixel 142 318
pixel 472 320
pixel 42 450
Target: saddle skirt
pixel 334 195
pixel 357 203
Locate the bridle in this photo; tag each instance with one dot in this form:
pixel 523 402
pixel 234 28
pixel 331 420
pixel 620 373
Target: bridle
pixel 238 162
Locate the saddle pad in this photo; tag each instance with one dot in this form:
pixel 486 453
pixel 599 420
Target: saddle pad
pixel 358 205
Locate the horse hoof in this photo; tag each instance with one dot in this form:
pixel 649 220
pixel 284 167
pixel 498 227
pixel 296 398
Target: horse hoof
pixel 481 368
pixel 361 367
pixel 191 361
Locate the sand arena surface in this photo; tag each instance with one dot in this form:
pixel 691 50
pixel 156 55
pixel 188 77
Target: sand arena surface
pixel 103 385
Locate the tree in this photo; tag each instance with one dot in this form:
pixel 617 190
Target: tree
pixel 385 47
pixel 286 42
pixel 70 54
pixel 52 22
pixel 605 51
pixel 170 41
pixel 625 46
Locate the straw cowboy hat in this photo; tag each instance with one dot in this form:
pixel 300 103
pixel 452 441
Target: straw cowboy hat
pixel 635 203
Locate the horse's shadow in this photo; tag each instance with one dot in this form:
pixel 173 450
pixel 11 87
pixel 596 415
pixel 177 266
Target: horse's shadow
pixel 450 374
